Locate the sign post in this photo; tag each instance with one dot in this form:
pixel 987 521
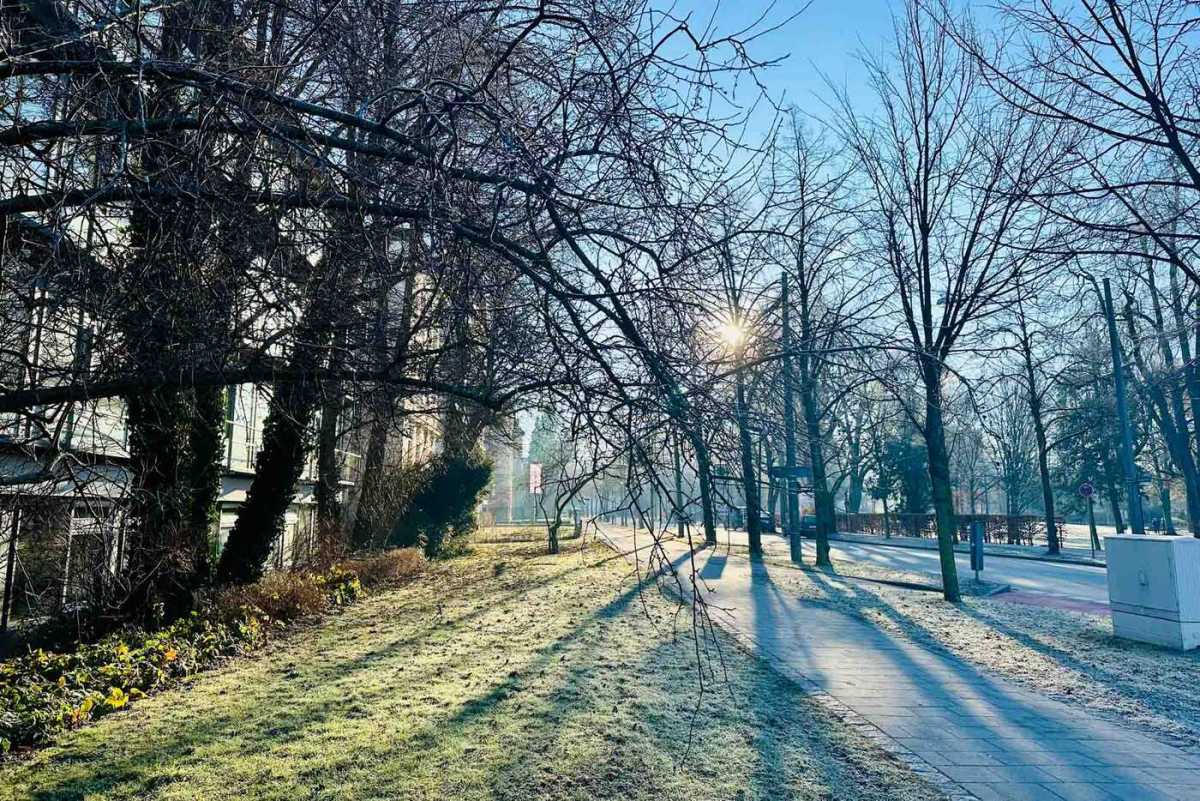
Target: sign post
pixel 1088 490
pixel 977 547
pixel 801 473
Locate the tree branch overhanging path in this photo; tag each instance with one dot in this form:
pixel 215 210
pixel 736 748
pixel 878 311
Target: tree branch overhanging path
pixel 369 213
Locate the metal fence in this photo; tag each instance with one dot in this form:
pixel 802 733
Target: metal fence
pixel 1002 529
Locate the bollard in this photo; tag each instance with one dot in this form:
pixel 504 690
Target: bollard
pixel 977 547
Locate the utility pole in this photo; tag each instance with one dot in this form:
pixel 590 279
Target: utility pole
pixel 1127 466
pixel 789 433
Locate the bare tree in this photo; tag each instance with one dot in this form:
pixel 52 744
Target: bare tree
pixel 949 180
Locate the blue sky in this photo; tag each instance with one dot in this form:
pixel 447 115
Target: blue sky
pixel 824 38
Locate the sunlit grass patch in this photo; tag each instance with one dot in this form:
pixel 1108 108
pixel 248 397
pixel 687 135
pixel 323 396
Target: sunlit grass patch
pixel 506 674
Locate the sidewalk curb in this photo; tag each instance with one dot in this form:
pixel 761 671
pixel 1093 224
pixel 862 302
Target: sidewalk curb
pixel 884 741
pixel 868 540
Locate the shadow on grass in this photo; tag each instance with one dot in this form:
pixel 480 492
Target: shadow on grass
pixel 267 719
pixel 103 770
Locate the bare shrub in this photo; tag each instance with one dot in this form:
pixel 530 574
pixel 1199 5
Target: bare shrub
pixel 387 569
pixel 281 596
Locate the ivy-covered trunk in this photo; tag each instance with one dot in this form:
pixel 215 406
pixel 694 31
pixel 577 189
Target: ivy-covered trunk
pixel 285 446
pixel 367 531
pixel 175 435
pixel 205 463
pixel 286 441
pixel 160 566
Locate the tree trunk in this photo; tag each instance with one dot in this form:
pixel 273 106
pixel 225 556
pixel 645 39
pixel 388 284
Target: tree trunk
pixel 1168 406
pixel 704 479
pixel 1191 366
pixel 1164 496
pixel 749 480
pixel 286 443
pixel 1039 429
pixel 822 497
pixel 159 421
pixel 795 546
pixel 285 448
pixel 366 527
pixel 679 502
pixel 772 489
pixel 939 477
pixel 205 441
pixel 161 562
pixel 368 532
pixel 1115 504
pixel 854 493
pixel 857 471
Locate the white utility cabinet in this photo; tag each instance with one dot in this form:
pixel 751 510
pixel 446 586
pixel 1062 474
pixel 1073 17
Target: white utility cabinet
pixel 1154 589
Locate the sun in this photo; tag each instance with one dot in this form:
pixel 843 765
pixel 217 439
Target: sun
pixel 732 333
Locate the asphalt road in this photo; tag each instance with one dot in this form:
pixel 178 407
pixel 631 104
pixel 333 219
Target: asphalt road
pixel 1070 581
pixel 1064 580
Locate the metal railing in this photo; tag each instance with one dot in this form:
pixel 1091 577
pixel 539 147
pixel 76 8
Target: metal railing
pixel 997 529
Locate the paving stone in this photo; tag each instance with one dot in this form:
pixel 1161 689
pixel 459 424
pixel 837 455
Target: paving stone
pixel 977 759
pixel 1143 792
pixel 1121 773
pixel 1022 774
pixel 1006 791
pixel 964 774
pixel 1184 776
pixel 1083 791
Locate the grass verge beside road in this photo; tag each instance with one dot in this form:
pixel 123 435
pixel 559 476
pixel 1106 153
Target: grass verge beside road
pixel 504 674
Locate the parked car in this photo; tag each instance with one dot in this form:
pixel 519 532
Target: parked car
pixel 737 519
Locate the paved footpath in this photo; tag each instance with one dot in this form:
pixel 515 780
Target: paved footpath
pixel 975 735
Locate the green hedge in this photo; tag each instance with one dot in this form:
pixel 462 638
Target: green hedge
pixel 44 693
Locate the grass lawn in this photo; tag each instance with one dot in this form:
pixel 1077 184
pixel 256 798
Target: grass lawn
pixel 504 674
